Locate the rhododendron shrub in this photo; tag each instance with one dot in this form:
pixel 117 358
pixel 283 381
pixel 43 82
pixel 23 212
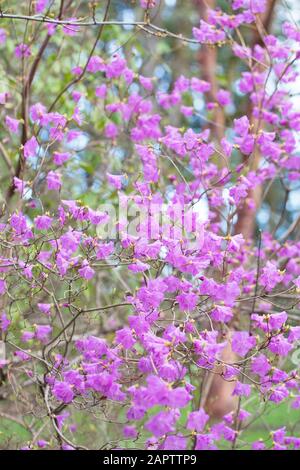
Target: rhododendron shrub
pixel 123 280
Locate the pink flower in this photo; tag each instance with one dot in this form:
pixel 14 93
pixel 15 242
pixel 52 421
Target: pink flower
pixel 208 34
pixel 270 276
pixel 19 184
pixel 22 50
pixel 115 180
pixel 12 124
pixel 3 97
pixel 63 392
pixel 30 148
pixel 242 389
pixel 86 271
pixel 60 158
pixel 197 420
pixel 130 432
pixel 53 181
pixel 2 36
pixel 96 64
pixel 41 5
pixel 4 322
pixel 71 30
pixel 277 320
pixel 125 337
pixel 101 91
pixel 221 313
pixel 146 82
pixel 162 423
pixel 43 222
pixel 187 301
pixel 44 308
pixel 103 251
pixel 111 130
pixel 2 286
pixel 224 97
pixel 42 332
pixel 242 342
pixel 260 365
pixel 147 3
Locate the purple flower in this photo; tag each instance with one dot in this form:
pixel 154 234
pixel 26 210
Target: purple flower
pixel 197 420
pixel 177 442
pixel 105 250
pixel 241 126
pixel 30 148
pixel 96 64
pixel 147 3
pixel 60 158
pixel 115 180
pixel 2 36
pixel 242 389
pixel 187 301
pixel 4 322
pixel 162 423
pixel 86 271
pixel 53 181
pixel 125 337
pixel 44 308
pixel 43 222
pixel 280 345
pixel 2 286
pixel 242 342
pixel 12 124
pixel 111 130
pixel 270 276
pixel 260 365
pixel 41 5
pixel 63 392
pixel 277 320
pixel 258 445
pixel 22 50
pixel 42 332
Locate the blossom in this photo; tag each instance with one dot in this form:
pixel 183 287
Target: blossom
pixel 187 301
pixel 260 365
pixel 2 36
pixel 270 276
pixel 63 392
pixel 22 50
pixel 12 124
pixel 30 147
pixel 242 342
pixel 115 180
pixel 104 250
pixel 53 181
pixel 147 3
pixel 4 322
pixel 2 286
pixel 111 130
pixel 207 33
pixel 125 337
pixel 277 320
pixel 60 158
pixel 130 431
pixel 42 332
pixel 43 222
pixel 71 29
pixel 41 5
pixel 45 308
pixel 197 420
pixel 162 423
pixel 241 389
pixel 86 271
